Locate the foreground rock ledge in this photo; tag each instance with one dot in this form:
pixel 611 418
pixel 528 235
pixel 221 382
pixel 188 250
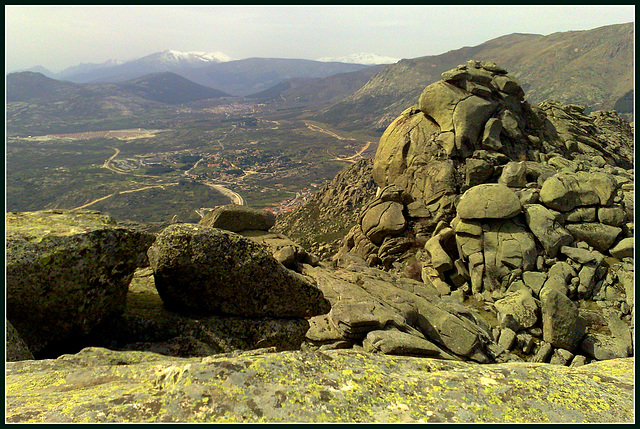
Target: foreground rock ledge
pixel 100 385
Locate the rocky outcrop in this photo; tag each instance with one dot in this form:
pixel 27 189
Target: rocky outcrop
pixel 102 386
pixel 147 325
pixel 208 271
pixel 500 233
pixel 66 273
pixel 494 199
pixel 366 301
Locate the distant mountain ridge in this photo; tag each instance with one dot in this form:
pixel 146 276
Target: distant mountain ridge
pixel 593 68
pixel 361 58
pixel 315 91
pixel 32 97
pixel 214 70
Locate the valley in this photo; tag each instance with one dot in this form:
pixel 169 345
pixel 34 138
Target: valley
pixel 210 153
pixel 156 141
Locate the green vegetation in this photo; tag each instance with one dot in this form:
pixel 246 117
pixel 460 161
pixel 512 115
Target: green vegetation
pixel 265 158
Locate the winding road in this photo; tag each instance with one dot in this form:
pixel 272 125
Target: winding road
pixel 234 197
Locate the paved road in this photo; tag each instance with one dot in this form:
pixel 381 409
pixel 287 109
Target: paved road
pixel 235 197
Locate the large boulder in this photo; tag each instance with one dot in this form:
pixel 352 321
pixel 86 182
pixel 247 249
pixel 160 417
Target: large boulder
pixel 518 310
pixel 545 225
pixel 233 217
pixel 67 271
pixel 507 246
pixel 562 325
pixel 147 325
pixel 489 201
pixel 597 235
pixel 209 271
pixel 100 385
pixel 624 248
pixel 566 190
pixel 381 219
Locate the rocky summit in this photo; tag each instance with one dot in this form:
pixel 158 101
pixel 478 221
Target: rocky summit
pixel 479 269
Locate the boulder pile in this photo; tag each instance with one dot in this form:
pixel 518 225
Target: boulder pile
pixel 527 210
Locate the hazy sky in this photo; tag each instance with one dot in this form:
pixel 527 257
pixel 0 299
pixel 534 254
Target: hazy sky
pixel 58 37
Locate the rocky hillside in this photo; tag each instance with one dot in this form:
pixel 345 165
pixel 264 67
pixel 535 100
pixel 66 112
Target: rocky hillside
pixel 321 223
pixel 499 232
pixel 314 91
pixel 593 68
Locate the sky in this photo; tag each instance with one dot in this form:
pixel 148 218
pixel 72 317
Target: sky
pixel 57 37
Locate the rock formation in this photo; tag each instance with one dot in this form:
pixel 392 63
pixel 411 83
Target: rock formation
pixel 103 386
pixel 66 273
pixel 490 198
pixel 208 271
pixel 499 233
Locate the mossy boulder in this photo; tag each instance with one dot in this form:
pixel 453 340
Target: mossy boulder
pixel 208 271
pixel 99 385
pixel 66 272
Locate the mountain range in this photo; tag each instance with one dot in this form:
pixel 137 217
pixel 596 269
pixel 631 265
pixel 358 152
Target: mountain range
pixel 35 103
pixel 593 68
pixel 216 70
pixel 361 58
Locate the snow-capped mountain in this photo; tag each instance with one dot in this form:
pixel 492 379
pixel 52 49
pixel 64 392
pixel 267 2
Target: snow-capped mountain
pixel 361 58
pixel 181 59
pixel 165 61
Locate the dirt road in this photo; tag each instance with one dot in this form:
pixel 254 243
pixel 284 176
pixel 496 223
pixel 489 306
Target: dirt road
pixel 123 192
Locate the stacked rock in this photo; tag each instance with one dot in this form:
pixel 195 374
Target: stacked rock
pixel 524 209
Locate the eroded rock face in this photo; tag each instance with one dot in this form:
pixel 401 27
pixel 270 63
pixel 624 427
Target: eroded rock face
pixel 209 271
pixel 67 272
pixel 334 386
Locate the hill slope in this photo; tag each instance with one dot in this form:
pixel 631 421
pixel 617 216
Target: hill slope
pixel 593 68
pixel 169 88
pixel 36 103
pixel 313 91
